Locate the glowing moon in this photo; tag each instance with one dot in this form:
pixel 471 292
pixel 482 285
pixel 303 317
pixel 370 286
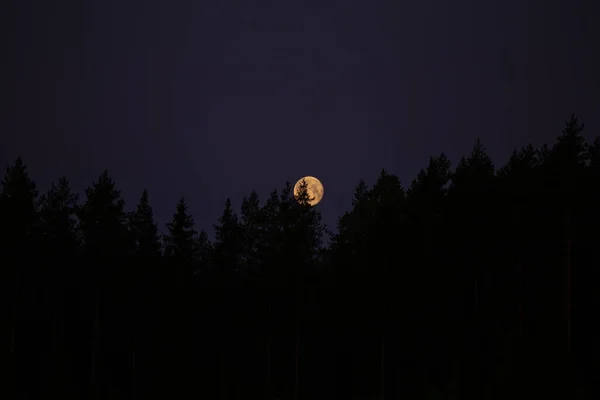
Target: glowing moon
pixel 314 187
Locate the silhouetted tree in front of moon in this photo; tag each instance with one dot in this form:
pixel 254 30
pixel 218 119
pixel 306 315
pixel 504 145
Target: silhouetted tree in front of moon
pixel 312 186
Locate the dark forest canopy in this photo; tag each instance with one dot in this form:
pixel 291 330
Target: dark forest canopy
pixel 473 282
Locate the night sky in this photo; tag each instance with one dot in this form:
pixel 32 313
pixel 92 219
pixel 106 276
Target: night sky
pixel 211 99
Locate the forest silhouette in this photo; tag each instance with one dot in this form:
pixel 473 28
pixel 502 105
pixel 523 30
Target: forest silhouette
pixel 472 283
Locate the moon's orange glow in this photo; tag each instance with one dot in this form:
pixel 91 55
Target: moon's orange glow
pixel 314 187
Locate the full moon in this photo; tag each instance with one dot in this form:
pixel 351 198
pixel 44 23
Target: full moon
pixel 314 188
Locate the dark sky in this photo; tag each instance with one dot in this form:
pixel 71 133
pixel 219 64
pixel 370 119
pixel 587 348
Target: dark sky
pixel 211 99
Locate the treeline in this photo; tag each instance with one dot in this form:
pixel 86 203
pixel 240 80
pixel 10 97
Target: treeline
pixel 477 282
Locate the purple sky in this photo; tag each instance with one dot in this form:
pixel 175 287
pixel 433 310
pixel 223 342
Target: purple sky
pixel 211 99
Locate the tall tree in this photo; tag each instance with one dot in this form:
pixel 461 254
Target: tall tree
pixel 470 196
pixel 18 242
pixel 428 275
pixel 106 250
pixel 566 166
pixel 60 248
pixel 18 195
pixel 181 265
pixel 389 202
pixel 144 276
pixel 268 248
pixel 303 232
pixel 586 272
pixel 349 248
pixel 227 258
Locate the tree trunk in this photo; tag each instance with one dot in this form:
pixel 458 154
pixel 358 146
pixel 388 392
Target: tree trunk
pixel 383 334
pixel 133 372
pixel 13 328
pixel 520 299
pixel 297 380
pixel 299 299
pixel 134 311
pixel 222 373
pixel 382 390
pixel 568 288
pixel 57 353
pixel 268 382
pixel 95 339
pixel 476 296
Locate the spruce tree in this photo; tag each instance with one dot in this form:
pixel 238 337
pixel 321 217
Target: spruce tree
pixel 18 245
pixel 103 222
pixel 144 278
pixel 106 249
pixel 61 277
pixel 144 229
pixel 180 243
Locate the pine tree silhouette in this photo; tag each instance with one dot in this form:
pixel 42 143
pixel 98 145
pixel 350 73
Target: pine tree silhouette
pixel 18 241
pixel 103 226
pixel 180 242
